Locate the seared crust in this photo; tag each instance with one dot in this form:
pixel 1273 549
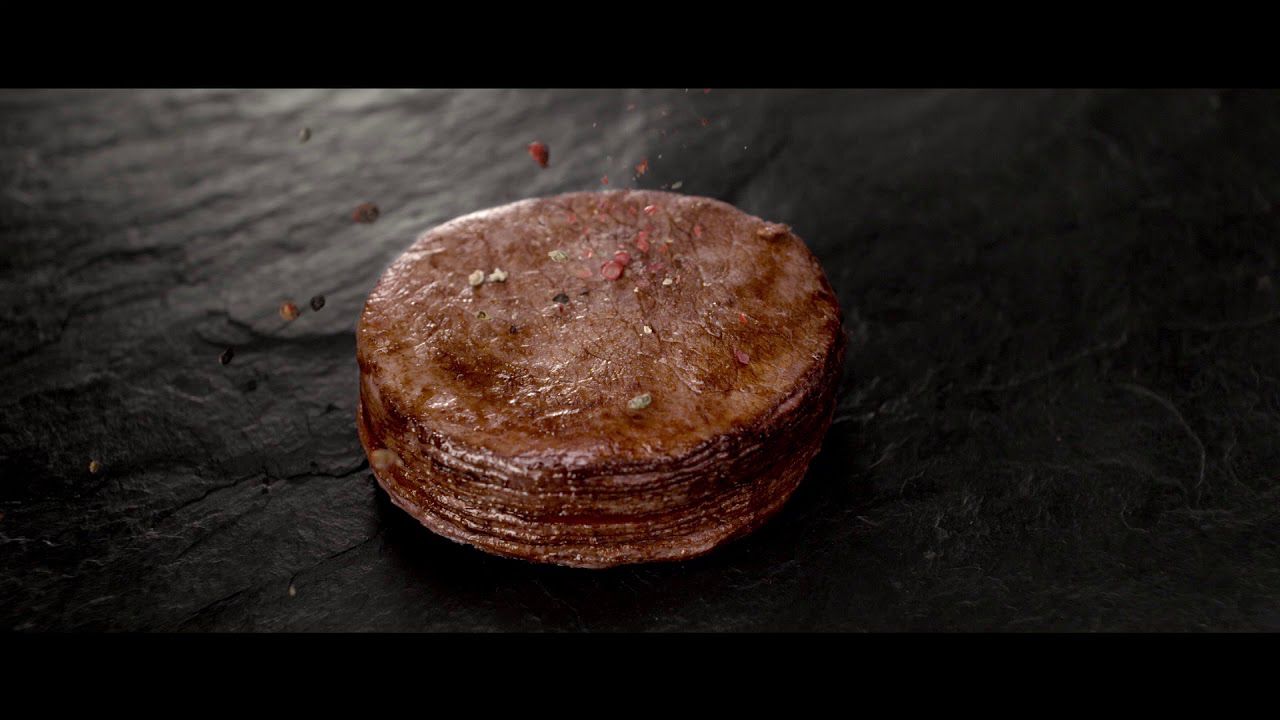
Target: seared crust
pixel 506 405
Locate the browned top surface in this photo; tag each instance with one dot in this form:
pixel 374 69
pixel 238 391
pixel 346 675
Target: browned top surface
pixel 536 379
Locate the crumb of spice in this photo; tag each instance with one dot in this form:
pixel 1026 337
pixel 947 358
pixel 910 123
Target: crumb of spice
pixel 540 153
pixel 642 167
pixel 317 302
pixel 650 209
pixel 611 270
pixel 622 257
pixel 475 278
pixel 648 330
pixel 482 315
pixel 498 275
pixel 772 231
pixel 304 134
pixel 225 357
pixel 677 185
pixel 365 213
pixel 667 281
pixel 293 592
pixel 742 319
pixel 642 241
pixel 382 458
pixel 558 255
pixel 697 231
pixel 640 402
pixel 742 357
pixel 561 298
pixel 95 467
pixel 289 311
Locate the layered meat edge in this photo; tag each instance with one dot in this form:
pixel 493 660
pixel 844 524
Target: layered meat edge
pixel 667 508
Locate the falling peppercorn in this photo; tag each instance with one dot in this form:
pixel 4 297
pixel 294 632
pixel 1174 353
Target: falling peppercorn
pixel 95 467
pixel 304 134
pixel 317 302
pixel 365 213
pixel 643 167
pixel 289 311
pixel 225 357
pixel 622 257
pixel 561 298
pixel 540 153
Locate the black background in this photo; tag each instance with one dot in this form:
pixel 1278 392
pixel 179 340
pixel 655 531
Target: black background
pixel 1061 408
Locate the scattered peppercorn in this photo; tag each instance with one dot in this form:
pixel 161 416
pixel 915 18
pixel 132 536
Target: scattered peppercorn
pixel 643 167
pixel 622 257
pixel 95 467
pixel 475 278
pixel 611 270
pixel 365 213
pixel 640 402
pixel 513 330
pixel 558 255
pixel 742 357
pixel 225 357
pixel 317 302
pixel 498 275
pixel 289 311
pixel 540 153
pixel 742 319
pixel 561 298
pixel 304 134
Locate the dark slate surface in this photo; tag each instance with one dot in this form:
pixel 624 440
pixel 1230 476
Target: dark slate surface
pixel 1062 405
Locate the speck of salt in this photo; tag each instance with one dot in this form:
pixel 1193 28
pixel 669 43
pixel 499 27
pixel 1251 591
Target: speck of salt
pixel 677 185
